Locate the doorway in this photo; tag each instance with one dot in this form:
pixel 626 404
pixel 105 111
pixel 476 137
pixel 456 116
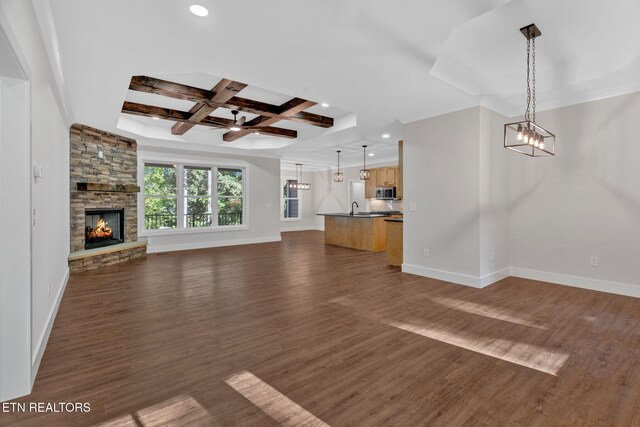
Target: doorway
pixel 15 224
pixel 356 194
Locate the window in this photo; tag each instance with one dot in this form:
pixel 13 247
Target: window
pixel 229 196
pixel 197 197
pixel 160 196
pixel 191 197
pixel 290 200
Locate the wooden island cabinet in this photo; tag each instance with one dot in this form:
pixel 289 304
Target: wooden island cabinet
pixel 363 232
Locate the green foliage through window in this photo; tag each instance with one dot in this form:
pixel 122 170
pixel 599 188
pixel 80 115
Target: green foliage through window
pixel 230 192
pixel 197 190
pixel 161 188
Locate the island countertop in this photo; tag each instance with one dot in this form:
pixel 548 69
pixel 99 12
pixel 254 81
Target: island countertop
pixel 357 215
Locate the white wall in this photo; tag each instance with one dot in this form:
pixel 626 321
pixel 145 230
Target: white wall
pixel 262 190
pixel 49 195
pixel 485 212
pixel 494 197
pixel 583 202
pixel 441 178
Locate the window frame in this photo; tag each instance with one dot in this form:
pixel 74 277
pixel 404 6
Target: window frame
pixel 210 196
pixel 145 196
pixel 181 196
pixel 283 179
pixel 217 196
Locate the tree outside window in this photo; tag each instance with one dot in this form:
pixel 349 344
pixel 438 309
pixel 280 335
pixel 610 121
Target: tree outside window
pixel 197 197
pixel 160 196
pixel 230 196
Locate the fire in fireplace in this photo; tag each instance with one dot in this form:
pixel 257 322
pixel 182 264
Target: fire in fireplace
pixel 103 227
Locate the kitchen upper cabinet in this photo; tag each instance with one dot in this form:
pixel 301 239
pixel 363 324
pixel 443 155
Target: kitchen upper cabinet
pixel 386 177
pixel 381 177
pixel 370 185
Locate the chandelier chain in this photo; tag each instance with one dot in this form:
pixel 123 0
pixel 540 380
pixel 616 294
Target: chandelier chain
pixel 527 114
pixel 533 83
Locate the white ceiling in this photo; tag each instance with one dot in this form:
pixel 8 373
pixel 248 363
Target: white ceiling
pixel 377 63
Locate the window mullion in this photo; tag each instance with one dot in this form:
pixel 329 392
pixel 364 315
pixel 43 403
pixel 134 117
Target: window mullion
pixel 214 196
pixel 180 205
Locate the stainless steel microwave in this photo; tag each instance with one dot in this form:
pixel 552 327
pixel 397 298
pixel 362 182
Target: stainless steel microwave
pixel 386 193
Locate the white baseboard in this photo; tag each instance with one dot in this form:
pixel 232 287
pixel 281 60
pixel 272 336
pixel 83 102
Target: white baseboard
pixel 36 356
pixel 578 282
pixel 152 248
pixel 494 277
pixel 543 276
pixel 302 228
pixel 457 278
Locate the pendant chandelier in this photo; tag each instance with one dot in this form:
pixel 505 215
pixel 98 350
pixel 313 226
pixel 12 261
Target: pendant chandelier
pixel 364 172
pixel 527 137
pixel 299 185
pixel 338 176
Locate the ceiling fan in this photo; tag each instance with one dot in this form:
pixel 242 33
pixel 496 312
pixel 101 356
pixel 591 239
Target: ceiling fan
pixel 237 124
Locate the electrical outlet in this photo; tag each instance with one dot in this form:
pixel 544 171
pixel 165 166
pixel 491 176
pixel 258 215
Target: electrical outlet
pixel 595 261
pixel 413 207
pixel 425 253
pixel 100 154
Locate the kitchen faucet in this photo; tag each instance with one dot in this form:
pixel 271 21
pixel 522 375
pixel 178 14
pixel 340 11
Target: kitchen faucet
pixel 357 206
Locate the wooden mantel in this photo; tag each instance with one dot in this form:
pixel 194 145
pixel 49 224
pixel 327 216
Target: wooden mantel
pixel 115 188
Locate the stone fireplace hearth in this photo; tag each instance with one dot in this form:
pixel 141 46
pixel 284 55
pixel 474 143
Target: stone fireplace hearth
pixel 103 175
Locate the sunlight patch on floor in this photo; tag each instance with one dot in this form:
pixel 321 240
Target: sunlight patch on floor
pixel 486 311
pixel 527 355
pixel 273 403
pixel 180 410
pixel 123 421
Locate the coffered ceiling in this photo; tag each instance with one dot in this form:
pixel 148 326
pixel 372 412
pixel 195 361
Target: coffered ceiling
pixel 377 63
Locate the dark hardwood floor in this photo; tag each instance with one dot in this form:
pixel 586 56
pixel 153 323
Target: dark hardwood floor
pixel 299 333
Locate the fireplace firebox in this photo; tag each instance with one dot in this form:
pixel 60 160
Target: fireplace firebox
pixel 103 227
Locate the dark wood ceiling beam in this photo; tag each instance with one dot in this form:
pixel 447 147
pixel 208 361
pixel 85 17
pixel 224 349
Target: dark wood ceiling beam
pixel 170 89
pixel 144 110
pixel 224 90
pixel 190 93
pixel 264 109
pixel 287 109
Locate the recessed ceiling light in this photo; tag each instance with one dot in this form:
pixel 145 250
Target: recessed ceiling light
pixel 324 104
pixel 385 135
pixel 370 154
pixel 198 10
pixel 156 118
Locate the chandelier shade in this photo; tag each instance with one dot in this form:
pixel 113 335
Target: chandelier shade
pixel 298 184
pixel 364 172
pixel 529 138
pixel 526 136
pixel 338 176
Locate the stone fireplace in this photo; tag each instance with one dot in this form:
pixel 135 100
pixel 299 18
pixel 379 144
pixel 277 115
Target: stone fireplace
pixel 104 200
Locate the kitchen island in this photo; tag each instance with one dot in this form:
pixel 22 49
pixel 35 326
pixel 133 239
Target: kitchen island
pixel 367 232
